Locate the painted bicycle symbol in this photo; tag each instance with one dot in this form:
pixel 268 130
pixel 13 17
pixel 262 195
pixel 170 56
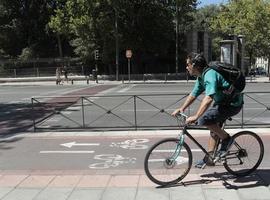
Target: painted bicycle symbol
pixel 131 144
pixel 111 160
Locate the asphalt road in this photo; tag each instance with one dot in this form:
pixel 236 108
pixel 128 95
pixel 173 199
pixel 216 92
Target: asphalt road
pixel 91 153
pixel 108 106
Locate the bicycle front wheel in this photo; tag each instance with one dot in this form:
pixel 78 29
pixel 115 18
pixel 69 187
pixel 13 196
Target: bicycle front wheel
pixel 245 155
pixel 164 165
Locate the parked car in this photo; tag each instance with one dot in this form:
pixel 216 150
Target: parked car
pixel 257 71
pixel 260 71
pixel 252 72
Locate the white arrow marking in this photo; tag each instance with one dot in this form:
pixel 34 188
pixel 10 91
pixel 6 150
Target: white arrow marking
pixel 71 144
pixel 65 152
pixel 173 150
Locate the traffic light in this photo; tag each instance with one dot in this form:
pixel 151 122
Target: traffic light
pixel 96 54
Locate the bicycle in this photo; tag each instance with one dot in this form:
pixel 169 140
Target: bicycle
pixel 168 161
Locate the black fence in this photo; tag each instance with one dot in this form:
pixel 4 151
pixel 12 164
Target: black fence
pixel 132 112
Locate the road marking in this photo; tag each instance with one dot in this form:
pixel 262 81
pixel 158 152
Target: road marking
pixel 179 160
pixel 71 144
pixel 66 112
pixel 111 160
pixel 66 152
pixel 127 88
pixel 73 108
pixel 131 144
pixel 173 150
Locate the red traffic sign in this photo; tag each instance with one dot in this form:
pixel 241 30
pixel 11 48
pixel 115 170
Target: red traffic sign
pixel 128 53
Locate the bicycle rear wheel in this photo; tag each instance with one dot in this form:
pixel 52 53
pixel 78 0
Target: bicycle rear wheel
pixel 245 155
pixel 161 167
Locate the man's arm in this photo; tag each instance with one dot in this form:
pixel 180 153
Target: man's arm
pixel 206 102
pixel 189 100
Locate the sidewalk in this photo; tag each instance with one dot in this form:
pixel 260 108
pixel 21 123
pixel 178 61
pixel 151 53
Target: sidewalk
pixel 207 184
pixel 81 80
pixel 70 186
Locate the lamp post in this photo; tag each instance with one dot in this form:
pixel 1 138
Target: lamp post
pixel 116 45
pixel 176 37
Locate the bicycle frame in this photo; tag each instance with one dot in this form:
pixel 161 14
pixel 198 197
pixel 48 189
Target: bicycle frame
pixel 181 141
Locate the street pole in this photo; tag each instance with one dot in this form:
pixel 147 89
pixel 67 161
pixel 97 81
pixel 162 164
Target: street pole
pixel 176 38
pixel 116 45
pixel 129 70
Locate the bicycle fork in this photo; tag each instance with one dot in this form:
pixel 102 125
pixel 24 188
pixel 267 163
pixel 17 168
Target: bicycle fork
pixel 178 149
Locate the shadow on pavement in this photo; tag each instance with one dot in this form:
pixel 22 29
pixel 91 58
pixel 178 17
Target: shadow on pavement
pixel 259 178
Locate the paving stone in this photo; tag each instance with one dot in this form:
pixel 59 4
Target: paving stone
pixel 221 194
pixel 187 193
pixel 4 191
pixel 22 194
pixel 152 193
pixel 117 194
pixel 252 193
pixel 54 194
pixel 86 194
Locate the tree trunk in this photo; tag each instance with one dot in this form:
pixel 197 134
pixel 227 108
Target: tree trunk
pixel 59 45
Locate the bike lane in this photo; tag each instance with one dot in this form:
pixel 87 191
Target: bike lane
pixel 121 181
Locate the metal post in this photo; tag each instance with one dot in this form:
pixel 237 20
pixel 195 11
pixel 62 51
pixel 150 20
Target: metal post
pixel 176 38
pixel 32 114
pixel 83 114
pixel 135 112
pixel 116 45
pixel 96 67
pixel 242 125
pixel 129 70
pixel 15 73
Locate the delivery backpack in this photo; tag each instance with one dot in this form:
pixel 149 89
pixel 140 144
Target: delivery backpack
pixel 231 74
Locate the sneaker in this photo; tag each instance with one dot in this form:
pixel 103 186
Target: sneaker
pixel 205 161
pixel 225 146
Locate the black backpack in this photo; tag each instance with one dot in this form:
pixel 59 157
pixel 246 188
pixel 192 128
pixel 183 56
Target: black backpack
pixel 231 74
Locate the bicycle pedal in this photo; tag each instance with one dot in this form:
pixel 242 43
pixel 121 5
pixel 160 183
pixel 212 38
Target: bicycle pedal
pixel 217 159
pixel 203 166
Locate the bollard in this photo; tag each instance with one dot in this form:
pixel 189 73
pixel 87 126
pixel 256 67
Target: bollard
pixel 87 81
pixel 71 81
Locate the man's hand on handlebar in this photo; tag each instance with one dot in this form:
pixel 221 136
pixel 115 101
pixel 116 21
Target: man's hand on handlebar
pixel 191 119
pixel 177 111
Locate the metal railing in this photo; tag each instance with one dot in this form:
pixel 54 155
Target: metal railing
pixel 128 112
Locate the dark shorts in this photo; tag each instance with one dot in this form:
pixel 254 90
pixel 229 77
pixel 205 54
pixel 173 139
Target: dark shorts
pixel 218 114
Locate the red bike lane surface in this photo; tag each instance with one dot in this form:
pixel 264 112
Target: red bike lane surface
pixel 20 117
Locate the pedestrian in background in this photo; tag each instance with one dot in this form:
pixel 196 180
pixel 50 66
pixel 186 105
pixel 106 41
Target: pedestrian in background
pixel 58 75
pixel 65 72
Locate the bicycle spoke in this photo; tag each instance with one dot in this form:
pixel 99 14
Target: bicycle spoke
pixel 245 155
pixel 163 165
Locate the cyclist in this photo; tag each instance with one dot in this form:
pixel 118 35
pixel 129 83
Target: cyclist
pixel 215 88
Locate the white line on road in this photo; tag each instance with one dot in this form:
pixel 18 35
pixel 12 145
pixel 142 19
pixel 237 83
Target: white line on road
pixel 127 88
pixel 71 144
pixel 173 150
pixel 66 152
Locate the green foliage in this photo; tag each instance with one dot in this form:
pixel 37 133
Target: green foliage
pixel 27 53
pixel 23 23
pixel 145 26
pixel 246 17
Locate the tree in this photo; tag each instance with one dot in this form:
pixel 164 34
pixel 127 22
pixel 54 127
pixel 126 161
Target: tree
pixel 23 25
pixel 202 22
pixel 245 17
pixel 145 26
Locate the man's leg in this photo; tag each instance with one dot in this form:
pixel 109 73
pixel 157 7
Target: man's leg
pixel 212 142
pixel 215 128
pixel 224 136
